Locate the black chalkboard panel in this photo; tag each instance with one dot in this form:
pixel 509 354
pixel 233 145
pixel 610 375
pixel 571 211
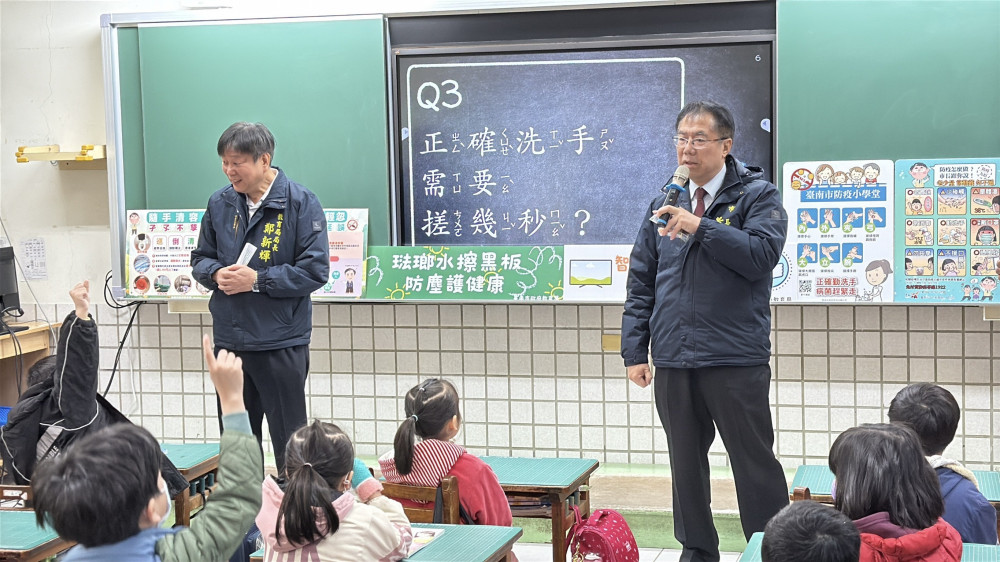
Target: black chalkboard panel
pixel 560 147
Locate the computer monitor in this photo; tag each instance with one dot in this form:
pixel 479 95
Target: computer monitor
pixel 10 301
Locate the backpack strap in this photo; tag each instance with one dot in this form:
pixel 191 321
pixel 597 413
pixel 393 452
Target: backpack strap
pixel 577 525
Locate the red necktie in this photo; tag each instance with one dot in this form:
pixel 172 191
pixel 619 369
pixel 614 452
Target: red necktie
pixel 699 208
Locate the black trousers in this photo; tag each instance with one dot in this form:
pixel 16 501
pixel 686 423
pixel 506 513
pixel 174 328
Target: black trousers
pixel 691 404
pixel 274 385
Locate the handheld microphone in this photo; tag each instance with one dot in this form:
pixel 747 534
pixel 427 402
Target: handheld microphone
pixel 672 192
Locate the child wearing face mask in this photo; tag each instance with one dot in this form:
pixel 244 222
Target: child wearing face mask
pixel 107 494
pixel 432 415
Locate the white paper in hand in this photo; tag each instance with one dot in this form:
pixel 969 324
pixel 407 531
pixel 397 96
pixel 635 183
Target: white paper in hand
pixel 247 254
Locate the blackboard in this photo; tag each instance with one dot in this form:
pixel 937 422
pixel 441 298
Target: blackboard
pixel 319 84
pixel 560 147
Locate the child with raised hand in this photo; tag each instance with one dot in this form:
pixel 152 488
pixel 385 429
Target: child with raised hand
pixel 884 484
pixel 312 514
pixel 106 492
pixel 432 414
pixel 933 414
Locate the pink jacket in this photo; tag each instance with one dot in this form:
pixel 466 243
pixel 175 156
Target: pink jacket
pixel 377 530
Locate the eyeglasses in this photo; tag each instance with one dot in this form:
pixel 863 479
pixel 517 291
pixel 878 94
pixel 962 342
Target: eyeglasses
pixel 698 143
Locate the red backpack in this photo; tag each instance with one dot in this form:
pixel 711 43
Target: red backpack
pixel 606 534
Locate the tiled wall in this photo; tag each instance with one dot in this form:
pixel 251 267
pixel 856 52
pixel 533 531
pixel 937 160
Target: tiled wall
pixel 534 380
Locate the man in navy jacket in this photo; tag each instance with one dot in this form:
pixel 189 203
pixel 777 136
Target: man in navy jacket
pixel 699 291
pixel 263 249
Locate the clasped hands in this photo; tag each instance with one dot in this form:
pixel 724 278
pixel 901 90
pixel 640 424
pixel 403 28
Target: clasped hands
pixel 235 279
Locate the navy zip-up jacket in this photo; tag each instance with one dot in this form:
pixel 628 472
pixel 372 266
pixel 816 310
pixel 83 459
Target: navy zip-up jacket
pixel 705 302
pixel 292 260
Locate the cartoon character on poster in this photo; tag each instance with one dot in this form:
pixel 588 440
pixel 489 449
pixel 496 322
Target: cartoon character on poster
pixel 857 176
pixel 876 273
pixel 988 284
pixel 985 231
pixel 807 220
pixel 920 174
pixel 952 263
pixel 919 201
pixel 951 201
pixel 824 173
pixel 133 221
pixel 852 253
pixel 951 232
pixel 919 262
pixel 919 232
pixel 853 218
pixel 871 171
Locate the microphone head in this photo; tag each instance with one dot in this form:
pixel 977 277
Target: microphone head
pixel 681 175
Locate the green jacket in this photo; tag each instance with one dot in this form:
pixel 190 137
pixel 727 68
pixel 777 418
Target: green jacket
pixel 230 511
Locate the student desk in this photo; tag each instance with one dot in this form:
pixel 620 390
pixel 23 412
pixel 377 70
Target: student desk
pixel 459 543
pixel 970 552
pixel 194 461
pixel 21 539
pixel 819 480
pixel 34 346
pixel 555 480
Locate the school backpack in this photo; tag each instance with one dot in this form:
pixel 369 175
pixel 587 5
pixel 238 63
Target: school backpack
pixel 604 534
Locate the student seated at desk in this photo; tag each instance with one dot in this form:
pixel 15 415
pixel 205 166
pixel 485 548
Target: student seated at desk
pixel 933 413
pixel 884 484
pixel 62 402
pixel 106 492
pixel 312 514
pixel 810 531
pixel 433 415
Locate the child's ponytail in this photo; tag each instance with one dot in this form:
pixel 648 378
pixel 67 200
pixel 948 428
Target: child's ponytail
pixel 429 407
pixel 318 458
pixel 305 492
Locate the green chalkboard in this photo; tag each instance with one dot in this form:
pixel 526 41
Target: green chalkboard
pixel 887 79
pixel 319 85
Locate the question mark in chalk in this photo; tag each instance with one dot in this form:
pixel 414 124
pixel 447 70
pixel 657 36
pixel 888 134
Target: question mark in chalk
pixel 584 221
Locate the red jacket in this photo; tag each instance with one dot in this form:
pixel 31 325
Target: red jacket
pixel 478 488
pixel 939 543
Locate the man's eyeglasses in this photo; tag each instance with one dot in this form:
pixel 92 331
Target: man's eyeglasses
pixel 698 143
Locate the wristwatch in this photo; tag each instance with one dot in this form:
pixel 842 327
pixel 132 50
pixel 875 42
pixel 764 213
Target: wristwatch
pixel 255 288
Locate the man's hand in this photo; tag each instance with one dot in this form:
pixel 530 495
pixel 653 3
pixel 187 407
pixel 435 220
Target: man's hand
pixel 81 299
pixel 681 220
pixel 227 376
pixel 640 374
pixel 235 279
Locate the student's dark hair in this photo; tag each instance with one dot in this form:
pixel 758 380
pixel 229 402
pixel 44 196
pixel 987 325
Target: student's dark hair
pixel 881 467
pixel 806 530
pixel 317 459
pixel 725 125
pixel 429 407
pixel 95 492
pixel 930 411
pixel 42 370
pixel 247 138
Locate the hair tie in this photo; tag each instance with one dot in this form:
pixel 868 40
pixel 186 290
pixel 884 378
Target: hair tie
pixel 309 464
pixel 415 418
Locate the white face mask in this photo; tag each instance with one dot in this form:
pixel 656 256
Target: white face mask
pixel 170 504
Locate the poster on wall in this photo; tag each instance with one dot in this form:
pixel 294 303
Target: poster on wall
pixel 348 233
pixel 839 246
pixel 948 244
pixel 160 242
pixel 465 273
pixel 158 256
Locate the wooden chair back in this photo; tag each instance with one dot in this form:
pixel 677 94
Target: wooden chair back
pixel 801 493
pixel 450 502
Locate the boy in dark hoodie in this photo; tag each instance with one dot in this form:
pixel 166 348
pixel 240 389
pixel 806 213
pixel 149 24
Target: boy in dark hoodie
pixel 933 413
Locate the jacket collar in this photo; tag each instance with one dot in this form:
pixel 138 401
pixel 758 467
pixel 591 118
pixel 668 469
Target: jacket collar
pixel 276 198
pixel 737 176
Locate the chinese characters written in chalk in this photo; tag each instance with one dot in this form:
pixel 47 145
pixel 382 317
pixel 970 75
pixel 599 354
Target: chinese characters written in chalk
pixel 484 222
pixel 505 142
